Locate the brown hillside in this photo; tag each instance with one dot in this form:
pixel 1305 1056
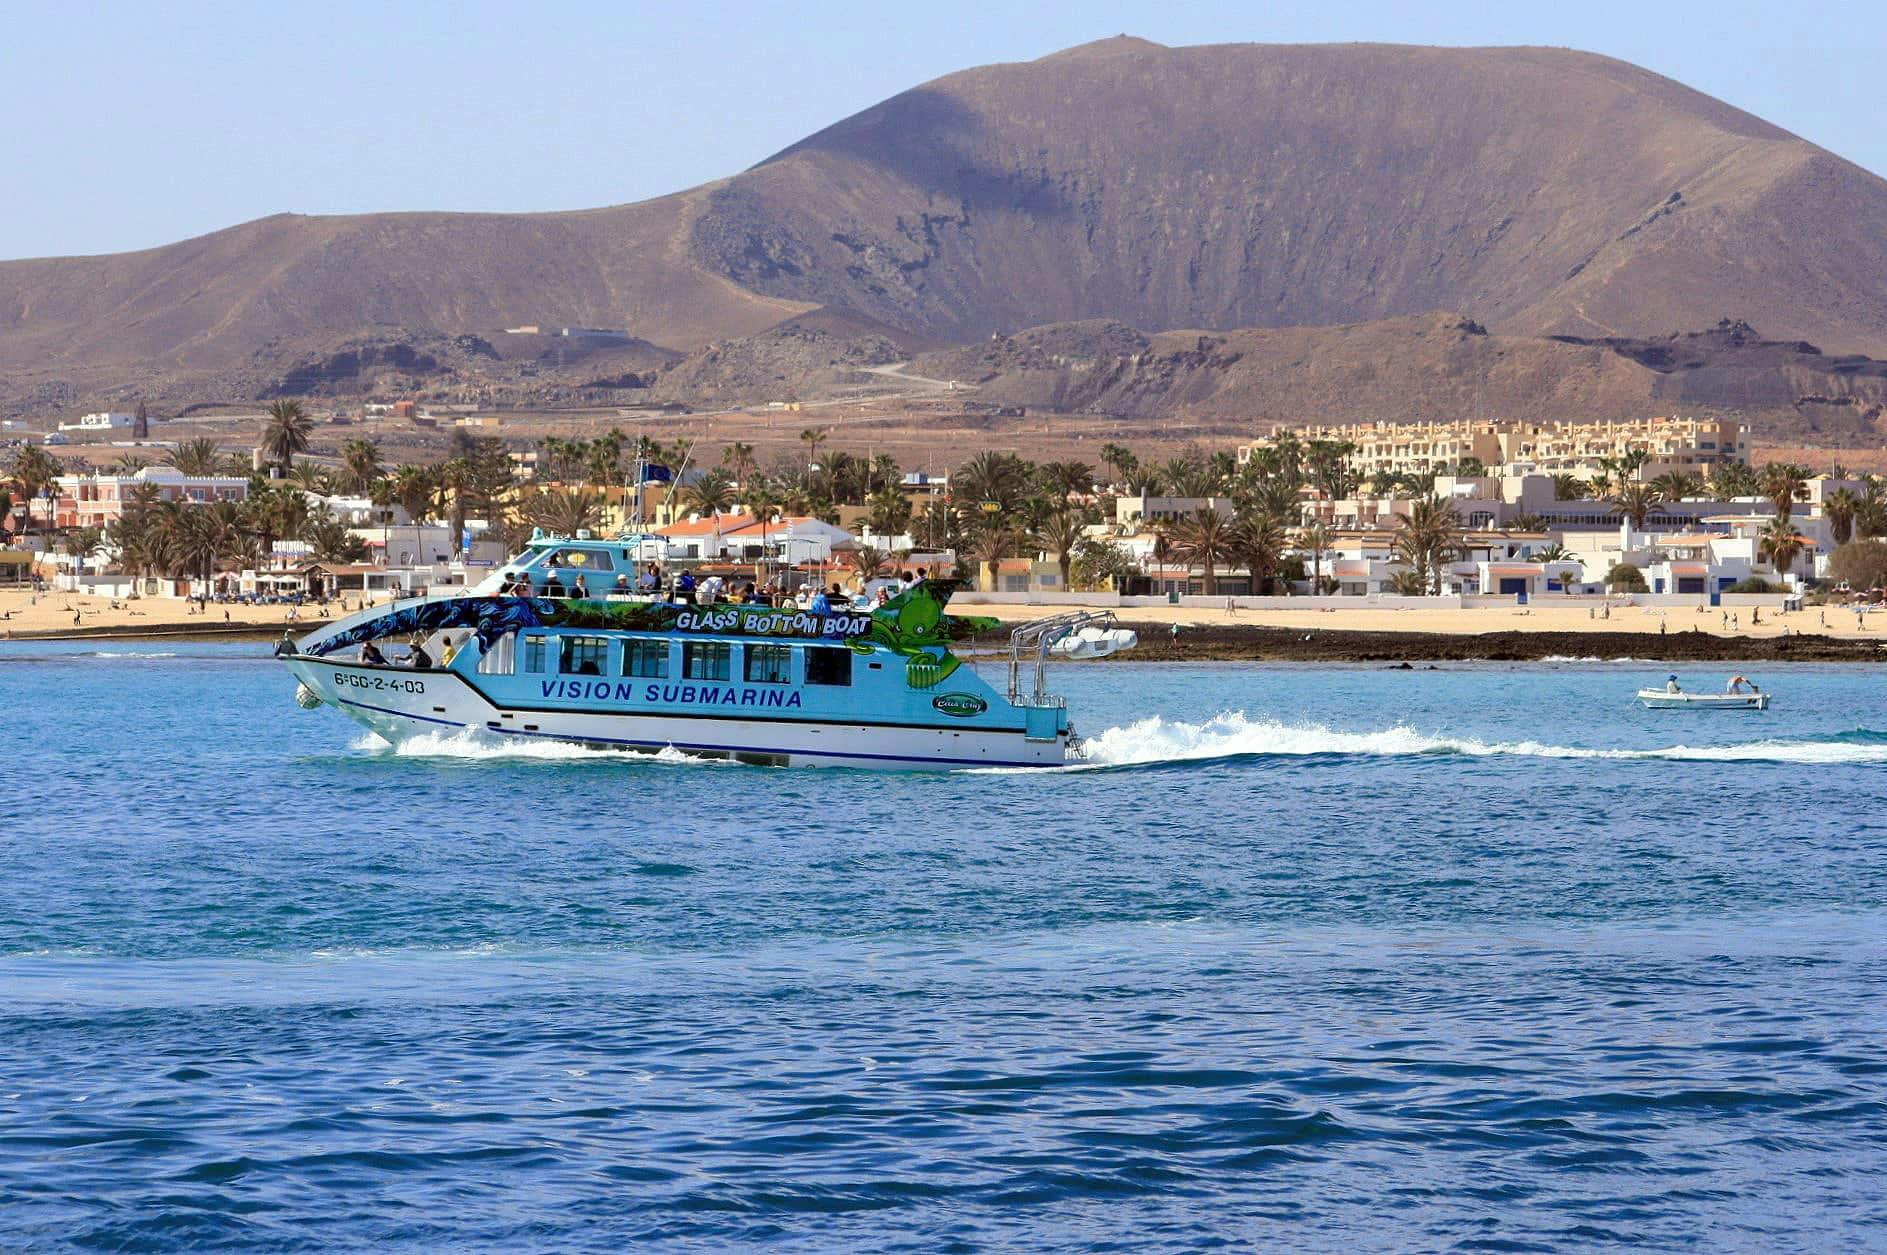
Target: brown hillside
pixel 1422 367
pixel 1536 190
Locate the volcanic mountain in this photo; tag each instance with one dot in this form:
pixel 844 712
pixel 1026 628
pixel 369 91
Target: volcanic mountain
pixel 1536 191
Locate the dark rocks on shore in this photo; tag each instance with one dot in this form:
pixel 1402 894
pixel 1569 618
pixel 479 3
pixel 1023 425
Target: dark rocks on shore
pixel 1199 643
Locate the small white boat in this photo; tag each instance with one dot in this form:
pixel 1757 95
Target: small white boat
pixel 1663 699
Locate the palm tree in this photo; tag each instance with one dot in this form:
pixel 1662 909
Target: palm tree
pixel 329 539
pixel 1568 487
pixel 131 464
pixel 869 561
pixel 196 457
pixel 1258 541
pixel 1527 522
pixel 286 432
pixel 1188 477
pixel 990 477
pixel 360 465
pixel 1780 545
pixel 994 539
pixel 1677 485
pixel 1314 540
pixel 890 512
pixel 1120 459
pixel 34 470
pixel 1841 506
pixel 711 494
pixel 813 438
pixel 1554 552
pixel 1733 479
pixel 312 476
pixel 454 481
pixel 1426 536
pixel 1067 479
pixel 1635 500
pixel 411 487
pixel 1870 517
pixel 565 511
pixel 1204 539
pixel 1784 484
pixel 1059 533
pixel 739 460
pixel 1143 481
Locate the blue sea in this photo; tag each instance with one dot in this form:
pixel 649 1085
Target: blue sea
pixel 1311 958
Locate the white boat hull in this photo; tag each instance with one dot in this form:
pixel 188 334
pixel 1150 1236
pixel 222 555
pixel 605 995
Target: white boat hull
pixel 400 705
pixel 1659 699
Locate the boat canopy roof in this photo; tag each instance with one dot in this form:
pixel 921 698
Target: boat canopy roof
pixel 912 620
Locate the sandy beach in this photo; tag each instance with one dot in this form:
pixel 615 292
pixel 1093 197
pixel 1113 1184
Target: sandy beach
pixel 1832 621
pixel 1362 634
pixel 54 612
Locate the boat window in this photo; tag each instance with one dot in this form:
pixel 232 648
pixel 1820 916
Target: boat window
pixel 585 655
pixel 769 664
pixel 534 654
pixel 501 658
pixel 825 665
pixel 645 658
pixel 706 660
pixel 584 560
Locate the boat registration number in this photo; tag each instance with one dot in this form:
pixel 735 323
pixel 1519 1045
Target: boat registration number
pixel 379 683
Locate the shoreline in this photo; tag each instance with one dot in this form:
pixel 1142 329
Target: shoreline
pixel 1274 644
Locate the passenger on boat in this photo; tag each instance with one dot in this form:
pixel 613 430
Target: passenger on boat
pixel 622 588
pixel 712 591
pixel 371 656
pixel 820 604
pixel 1735 685
pixel 553 587
pixel 579 589
pixel 1670 686
pixel 652 579
pixel 685 588
pixel 524 588
pixel 418 658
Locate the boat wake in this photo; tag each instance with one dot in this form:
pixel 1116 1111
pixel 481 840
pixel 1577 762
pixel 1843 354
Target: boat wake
pixel 472 746
pixel 1155 741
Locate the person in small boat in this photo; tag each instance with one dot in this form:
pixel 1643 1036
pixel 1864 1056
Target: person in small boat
pixel 1735 685
pixel 1670 686
pixel 371 656
pixel 553 587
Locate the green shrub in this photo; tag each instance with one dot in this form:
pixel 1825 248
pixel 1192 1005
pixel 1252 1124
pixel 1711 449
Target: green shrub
pixel 1862 563
pixel 1626 578
pixel 1754 584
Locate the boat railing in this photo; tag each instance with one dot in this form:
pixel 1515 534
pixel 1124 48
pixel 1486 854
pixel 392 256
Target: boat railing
pixel 1029 646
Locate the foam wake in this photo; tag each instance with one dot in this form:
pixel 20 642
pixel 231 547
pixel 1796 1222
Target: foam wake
pixel 473 746
pixel 1232 735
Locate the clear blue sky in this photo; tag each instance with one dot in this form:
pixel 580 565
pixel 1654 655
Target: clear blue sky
pixel 132 124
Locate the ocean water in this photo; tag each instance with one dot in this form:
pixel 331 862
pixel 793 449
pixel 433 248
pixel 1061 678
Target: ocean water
pixel 1311 958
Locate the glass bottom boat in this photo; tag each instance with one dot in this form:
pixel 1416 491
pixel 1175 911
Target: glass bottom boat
pixel 777 687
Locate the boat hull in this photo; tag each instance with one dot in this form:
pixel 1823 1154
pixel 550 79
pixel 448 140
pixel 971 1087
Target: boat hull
pixel 401 704
pixel 1658 699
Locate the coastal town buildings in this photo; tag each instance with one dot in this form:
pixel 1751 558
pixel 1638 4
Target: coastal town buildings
pixel 1671 443
pixel 100 500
